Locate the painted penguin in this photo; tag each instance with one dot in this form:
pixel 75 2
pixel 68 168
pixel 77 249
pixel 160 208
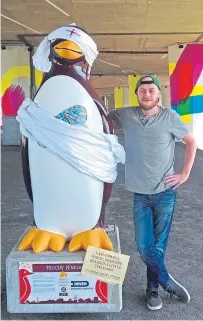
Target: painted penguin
pixel 68 205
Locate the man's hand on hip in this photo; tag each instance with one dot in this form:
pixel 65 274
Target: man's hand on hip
pixel 176 180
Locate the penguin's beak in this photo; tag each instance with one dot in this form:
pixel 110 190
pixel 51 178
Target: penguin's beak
pixel 68 49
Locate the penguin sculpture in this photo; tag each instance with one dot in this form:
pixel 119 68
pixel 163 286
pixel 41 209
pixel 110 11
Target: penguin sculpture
pixel 69 205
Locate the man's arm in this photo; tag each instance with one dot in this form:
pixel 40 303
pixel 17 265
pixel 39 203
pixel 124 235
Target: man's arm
pixel 181 132
pixel 190 152
pixel 117 116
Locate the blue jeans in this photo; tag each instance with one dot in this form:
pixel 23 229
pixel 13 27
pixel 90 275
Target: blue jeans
pixel 153 217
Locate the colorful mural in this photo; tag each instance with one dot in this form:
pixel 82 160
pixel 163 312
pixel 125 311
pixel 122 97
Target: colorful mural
pixel 11 100
pixel 186 80
pixel 13 95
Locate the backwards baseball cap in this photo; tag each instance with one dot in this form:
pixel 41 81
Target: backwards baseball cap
pixel 142 81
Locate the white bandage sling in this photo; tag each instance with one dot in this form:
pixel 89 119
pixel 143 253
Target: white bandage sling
pixel 95 154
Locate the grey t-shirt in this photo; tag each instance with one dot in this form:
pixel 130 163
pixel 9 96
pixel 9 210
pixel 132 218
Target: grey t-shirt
pixel 149 146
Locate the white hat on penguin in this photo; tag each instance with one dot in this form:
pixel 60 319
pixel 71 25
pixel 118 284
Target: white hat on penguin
pixel 71 32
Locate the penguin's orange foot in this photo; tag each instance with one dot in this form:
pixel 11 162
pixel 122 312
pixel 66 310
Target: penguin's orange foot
pixel 40 241
pixel 97 238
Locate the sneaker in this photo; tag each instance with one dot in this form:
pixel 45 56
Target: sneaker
pixel 153 300
pixel 177 290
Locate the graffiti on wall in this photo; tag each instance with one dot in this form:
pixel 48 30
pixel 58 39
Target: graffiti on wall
pixel 186 81
pixel 13 95
pixel 12 99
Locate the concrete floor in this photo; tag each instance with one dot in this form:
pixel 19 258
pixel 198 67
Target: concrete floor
pixel 184 255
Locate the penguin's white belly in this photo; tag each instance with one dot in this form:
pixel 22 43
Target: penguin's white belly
pixel 66 201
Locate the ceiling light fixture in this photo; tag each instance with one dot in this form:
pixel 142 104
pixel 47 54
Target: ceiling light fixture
pixel 129 71
pixel 18 23
pixel 108 63
pixel 57 8
pixel 164 56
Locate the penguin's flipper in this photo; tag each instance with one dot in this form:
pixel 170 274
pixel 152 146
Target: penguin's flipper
pixel 40 241
pixel 26 167
pixel 96 237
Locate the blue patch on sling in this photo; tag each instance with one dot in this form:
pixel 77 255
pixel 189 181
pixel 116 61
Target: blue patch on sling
pixel 74 115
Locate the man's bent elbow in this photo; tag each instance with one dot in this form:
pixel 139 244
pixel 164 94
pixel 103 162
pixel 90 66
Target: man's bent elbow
pixel 190 140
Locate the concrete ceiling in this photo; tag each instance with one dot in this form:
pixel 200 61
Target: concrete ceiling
pixel 146 27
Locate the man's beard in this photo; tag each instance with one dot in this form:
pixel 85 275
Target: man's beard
pixel 149 106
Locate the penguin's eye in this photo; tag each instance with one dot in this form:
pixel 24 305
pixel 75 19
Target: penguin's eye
pixel 68 49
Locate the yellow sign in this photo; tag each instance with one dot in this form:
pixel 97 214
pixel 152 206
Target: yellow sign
pixel 107 266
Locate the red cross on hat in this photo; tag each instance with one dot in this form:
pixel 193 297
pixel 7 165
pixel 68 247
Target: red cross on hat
pixel 73 32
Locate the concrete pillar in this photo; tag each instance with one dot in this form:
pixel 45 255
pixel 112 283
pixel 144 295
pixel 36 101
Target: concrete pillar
pixel 186 85
pixel 121 97
pixel 132 81
pixel 125 97
pixel 165 96
pixel 109 101
pixel 15 87
pixel 118 96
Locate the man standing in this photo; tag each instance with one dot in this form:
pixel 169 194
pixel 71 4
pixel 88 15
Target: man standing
pixel 150 133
